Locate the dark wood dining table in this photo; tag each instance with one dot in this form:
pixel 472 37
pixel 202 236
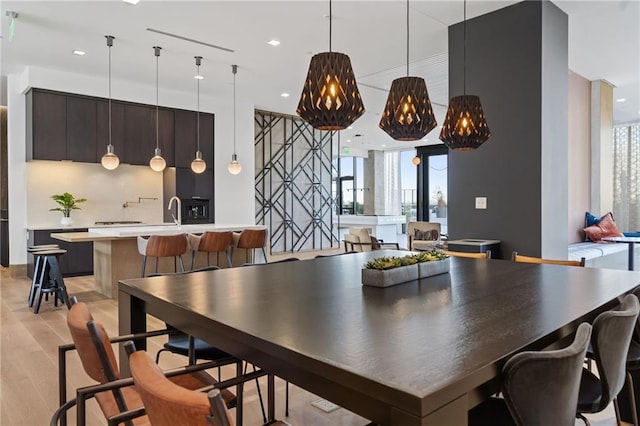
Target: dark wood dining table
pixel 419 353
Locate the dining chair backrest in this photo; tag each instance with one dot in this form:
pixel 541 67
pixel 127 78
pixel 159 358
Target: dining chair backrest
pixel 528 259
pixel 166 245
pixel 612 332
pixel 541 388
pixel 483 255
pixel 166 403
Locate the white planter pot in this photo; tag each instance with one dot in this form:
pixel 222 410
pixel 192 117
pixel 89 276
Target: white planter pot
pixel 389 277
pixel 435 267
pixel 66 221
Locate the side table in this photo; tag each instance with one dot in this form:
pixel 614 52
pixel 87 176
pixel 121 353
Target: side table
pixel 475 245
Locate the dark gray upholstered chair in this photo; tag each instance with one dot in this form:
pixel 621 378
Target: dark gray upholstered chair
pixel 540 388
pixel 612 331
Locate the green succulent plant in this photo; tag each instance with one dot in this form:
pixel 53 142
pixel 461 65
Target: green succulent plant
pixel 67 202
pixel 384 263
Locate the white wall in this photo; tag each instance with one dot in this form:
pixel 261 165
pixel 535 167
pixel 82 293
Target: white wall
pixel 234 195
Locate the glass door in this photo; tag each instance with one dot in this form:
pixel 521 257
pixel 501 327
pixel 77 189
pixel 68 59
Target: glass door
pixel 433 184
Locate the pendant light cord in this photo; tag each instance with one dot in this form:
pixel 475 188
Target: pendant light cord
pixel 407 38
pixel 464 50
pixel 235 70
pixel 157 53
pixel 109 43
pixel 330 19
pixel 198 119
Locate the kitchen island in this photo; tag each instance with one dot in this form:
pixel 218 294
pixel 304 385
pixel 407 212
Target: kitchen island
pixel 115 250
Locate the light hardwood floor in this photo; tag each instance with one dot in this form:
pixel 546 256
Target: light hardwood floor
pixel 28 362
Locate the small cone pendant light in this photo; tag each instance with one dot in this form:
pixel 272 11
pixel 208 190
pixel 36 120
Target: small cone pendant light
pixel 110 160
pixel 157 163
pixel 465 126
pixel 198 165
pixel 408 115
pixel 330 98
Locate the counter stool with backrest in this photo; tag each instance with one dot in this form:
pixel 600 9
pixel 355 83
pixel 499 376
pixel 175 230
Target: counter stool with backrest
pixel 49 280
pixel 163 246
pixel 213 242
pixel 38 262
pixel 252 239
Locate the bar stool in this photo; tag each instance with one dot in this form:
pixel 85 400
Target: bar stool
pixel 38 262
pixel 252 239
pixel 213 242
pixel 162 246
pixel 50 279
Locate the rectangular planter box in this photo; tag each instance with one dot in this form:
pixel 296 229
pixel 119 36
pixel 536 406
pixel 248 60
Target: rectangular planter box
pixel 389 277
pixel 435 267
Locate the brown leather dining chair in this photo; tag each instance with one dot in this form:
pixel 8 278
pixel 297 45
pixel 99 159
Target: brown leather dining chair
pixel 115 396
pixel 169 404
pixel 528 259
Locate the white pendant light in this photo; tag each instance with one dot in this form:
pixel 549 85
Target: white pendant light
pixel 157 163
pixel 198 165
pixel 234 167
pixel 110 160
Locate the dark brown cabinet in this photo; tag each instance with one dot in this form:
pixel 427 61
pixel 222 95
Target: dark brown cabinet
pixel 140 134
pixel 186 137
pixel 46 126
pixel 81 129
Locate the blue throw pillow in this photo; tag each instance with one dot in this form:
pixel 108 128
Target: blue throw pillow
pixel 590 219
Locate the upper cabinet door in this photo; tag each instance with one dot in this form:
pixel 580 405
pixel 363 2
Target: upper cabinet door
pixel 186 137
pixel 166 135
pixel 47 125
pixel 117 129
pixel 81 129
pixel 207 138
pixel 139 133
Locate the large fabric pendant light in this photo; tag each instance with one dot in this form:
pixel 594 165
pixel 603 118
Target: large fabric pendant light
pixel 198 165
pixel 408 115
pixel 330 99
pixel 234 166
pixel 110 160
pixel 157 163
pixel 465 127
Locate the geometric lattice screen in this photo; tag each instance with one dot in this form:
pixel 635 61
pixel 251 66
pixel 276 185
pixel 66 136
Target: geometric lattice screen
pixel 294 171
pixel 626 176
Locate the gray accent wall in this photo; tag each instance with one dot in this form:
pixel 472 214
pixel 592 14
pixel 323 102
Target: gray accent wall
pixel 516 61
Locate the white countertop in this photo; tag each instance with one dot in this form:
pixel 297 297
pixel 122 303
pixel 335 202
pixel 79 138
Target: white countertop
pixel 166 229
pixel 369 220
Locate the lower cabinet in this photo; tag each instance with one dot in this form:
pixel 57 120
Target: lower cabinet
pixel 77 261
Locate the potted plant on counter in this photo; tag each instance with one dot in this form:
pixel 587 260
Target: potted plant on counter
pixel 66 202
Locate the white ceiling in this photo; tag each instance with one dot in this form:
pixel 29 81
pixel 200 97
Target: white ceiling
pixel 604 43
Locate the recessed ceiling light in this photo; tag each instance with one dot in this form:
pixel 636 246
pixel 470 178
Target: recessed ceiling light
pixel 284 95
pixel 621 100
pixel 383 145
pixel 79 52
pixel 198 77
pixel 348 140
pixel 273 42
pixel 131 1
pixel 350 128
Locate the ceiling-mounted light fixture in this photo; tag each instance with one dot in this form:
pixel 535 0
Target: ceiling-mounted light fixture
pixel 198 165
pixel 157 163
pixel 408 115
pixel 465 126
pixel 234 167
pixel 330 98
pixel 110 160
pixel 415 160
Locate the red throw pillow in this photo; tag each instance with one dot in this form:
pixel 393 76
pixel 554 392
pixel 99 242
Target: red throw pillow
pixel 605 228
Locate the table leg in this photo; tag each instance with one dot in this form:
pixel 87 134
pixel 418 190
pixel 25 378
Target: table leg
pixel 631 256
pixel 132 318
pixel 271 405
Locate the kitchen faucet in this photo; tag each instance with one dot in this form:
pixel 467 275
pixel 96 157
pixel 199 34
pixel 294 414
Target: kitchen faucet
pixel 178 221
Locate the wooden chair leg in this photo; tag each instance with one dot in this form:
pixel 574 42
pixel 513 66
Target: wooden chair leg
pixel 264 254
pixel 181 263
pixel 616 407
pixel 632 399
pixel 144 264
